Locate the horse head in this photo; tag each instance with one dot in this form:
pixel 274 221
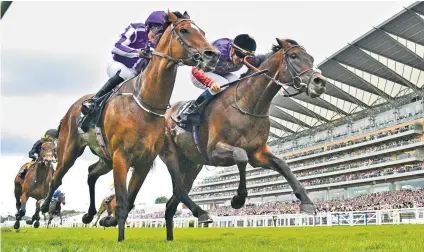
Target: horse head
pixel 297 69
pixel 186 43
pixel 47 153
pixel 61 199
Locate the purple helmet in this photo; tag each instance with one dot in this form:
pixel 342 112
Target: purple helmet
pixel 156 17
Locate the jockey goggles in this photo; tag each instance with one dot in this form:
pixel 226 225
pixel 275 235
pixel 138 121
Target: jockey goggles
pixel 156 28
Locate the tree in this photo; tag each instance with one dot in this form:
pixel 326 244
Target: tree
pixel 161 200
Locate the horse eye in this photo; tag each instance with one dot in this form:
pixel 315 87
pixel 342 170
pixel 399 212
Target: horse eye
pixel 183 30
pixel 293 56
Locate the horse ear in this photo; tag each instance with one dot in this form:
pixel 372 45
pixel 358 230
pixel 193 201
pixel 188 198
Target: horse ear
pixel 279 42
pixel 172 17
pixel 186 15
pixel 284 44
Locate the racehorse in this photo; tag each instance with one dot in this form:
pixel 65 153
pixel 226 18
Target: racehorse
pixel 36 181
pixel 54 208
pixel 133 121
pixel 110 207
pixel 235 126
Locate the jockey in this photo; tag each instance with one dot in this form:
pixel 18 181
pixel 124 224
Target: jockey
pixel 127 61
pixel 231 60
pixel 56 194
pixel 50 135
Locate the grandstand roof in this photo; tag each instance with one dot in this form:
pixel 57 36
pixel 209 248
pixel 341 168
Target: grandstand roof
pixel 378 68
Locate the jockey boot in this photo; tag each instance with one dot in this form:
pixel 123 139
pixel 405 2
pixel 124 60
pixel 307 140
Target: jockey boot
pixel 193 107
pixel 89 105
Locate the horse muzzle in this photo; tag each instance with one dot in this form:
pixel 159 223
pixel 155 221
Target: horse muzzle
pixel 316 86
pixel 208 60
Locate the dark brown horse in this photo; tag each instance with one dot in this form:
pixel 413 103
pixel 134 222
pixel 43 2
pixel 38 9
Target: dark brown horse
pixel 36 182
pixel 235 127
pixel 54 209
pixel 133 120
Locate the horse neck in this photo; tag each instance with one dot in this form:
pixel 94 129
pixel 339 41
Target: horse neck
pixel 41 171
pixel 156 84
pixel 256 94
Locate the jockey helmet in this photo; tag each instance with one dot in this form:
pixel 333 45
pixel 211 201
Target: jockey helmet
pixel 244 45
pixel 51 133
pixel 155 21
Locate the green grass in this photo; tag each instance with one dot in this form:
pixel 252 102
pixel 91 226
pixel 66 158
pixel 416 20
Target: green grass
pixel 399 238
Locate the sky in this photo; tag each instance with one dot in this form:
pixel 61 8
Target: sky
pixel 52 53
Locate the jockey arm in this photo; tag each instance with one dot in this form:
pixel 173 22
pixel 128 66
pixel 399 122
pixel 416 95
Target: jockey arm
pixel 201 76
pixel 36 148
pixel 122 48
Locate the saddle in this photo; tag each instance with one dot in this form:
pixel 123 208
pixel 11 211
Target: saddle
pixel 91 120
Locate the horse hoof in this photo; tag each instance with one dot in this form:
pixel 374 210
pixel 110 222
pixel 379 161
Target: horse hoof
pixel 237 202
pixel 113 222
pixel 87 218
pixel 37 224
pixel 308 208
pixel 29 222
pixel 17 225
pixel 204 218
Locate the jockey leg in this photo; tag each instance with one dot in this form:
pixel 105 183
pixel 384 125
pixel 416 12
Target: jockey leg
pixel 88 105
pixel 206 95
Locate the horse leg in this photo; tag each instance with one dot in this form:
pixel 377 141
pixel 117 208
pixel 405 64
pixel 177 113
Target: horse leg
pixel 60 215
pixel 18 192
pixel 224 154
pixel 172 204
pixel 120 170
pixel 136 181
pixel 67 153
pixel 170 157
pixel 22 210
pixel 267 160
pixel 95 171
pixel 50 219
pixel 99 213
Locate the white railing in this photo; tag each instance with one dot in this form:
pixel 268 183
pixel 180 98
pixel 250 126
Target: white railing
pixel 356 218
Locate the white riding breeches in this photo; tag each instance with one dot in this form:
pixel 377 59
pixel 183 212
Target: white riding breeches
pixel 126 73
pixel 221 80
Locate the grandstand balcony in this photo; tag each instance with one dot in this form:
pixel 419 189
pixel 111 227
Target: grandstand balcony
pixel 411 132
pixel 414 144
pixel 418 172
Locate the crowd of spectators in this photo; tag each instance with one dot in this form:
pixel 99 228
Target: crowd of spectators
pixel 410 198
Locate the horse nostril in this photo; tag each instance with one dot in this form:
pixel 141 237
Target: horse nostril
pixel 319 81
pixel 210 54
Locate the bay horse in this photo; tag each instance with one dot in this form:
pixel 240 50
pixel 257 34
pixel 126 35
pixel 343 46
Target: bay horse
pixel 106 207
pixel 54 209
pixel 133 121
pixel 235 126
pixel 36 181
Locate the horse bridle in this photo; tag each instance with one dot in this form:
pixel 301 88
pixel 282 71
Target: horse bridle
pixel 195 54
pixel 296 80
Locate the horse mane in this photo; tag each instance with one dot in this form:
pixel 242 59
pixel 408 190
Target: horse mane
pixel 259 59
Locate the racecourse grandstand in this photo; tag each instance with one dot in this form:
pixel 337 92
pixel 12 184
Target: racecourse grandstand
pixel 360 142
